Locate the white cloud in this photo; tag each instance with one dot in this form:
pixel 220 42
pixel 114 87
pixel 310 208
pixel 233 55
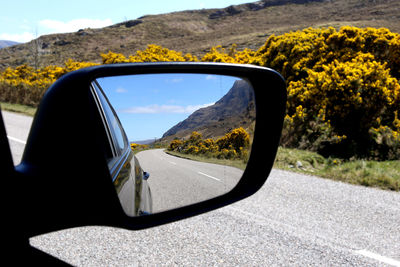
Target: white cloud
pixel 19 37
pixel 174 80
pixel 177 80
pixel 165 109
pixel 56 26
pixel 121 90
pixel 49 26
pixel 211 77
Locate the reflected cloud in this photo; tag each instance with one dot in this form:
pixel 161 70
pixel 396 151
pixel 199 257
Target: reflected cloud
pixel 164 109
pixel 211 77
pixel 175 80
pixel 121 90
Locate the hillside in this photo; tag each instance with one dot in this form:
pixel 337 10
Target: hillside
pixel 197 31
pixel 235 109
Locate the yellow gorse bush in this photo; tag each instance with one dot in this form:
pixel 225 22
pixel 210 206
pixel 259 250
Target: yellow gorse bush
pixel 138 147
pixel 339 84
pixel 153 53
pixel 26 85
pixel 233 145
pixel 343 86
pixel 219 54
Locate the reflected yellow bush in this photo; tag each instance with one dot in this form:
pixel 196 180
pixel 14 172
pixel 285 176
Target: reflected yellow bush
pixel 137 147
pixel 233 145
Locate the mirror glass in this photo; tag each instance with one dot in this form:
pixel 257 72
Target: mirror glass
pixel 190 136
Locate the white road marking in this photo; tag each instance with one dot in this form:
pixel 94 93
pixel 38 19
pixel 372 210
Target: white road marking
pixel 173 163
pixel 209 176
pixel 16 140
pixel 378 257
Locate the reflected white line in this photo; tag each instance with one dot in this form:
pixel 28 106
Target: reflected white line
pixel 173 163
pixel 378 257
pixel 16 140
pixel 209 176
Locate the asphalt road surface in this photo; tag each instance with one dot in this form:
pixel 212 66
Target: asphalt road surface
pixel 177 182
pixel 17 127
pixel 293 220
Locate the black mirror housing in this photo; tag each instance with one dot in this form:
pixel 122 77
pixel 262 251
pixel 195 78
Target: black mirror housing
pixel 64 173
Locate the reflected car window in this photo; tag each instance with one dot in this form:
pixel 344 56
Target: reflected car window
pixel 113 122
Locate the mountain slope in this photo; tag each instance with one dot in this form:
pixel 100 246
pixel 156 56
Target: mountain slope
pixel 196 31
pixel 235 109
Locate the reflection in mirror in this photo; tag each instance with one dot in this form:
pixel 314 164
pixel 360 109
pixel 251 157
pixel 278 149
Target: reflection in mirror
pixel 191 134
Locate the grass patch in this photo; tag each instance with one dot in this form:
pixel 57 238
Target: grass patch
pixel 381 174
pixel 26 110
pixel 237 163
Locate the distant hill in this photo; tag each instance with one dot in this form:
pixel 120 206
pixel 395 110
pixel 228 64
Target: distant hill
pixel 5 43
pixel 235 109
pixel 144 142
pixel 196 31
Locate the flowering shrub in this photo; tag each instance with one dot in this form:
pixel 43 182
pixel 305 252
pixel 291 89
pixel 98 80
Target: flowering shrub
pixel 236 139
pixel 175 145
pixel 71 65
pixel 343 87
pixel 344 101
pixel 153 53
pixel 234 145
pixel 138 147
pixel 219 54
pixel 26 85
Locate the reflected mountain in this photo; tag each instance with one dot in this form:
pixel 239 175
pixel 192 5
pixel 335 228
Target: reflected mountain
pixel 233 110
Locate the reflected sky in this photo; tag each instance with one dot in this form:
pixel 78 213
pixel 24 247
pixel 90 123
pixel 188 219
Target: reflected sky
pixel 150 104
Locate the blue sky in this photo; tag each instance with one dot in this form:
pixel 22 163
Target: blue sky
pixel 24 20
pixel 149 105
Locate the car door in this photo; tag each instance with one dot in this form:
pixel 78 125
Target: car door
pixel 125 170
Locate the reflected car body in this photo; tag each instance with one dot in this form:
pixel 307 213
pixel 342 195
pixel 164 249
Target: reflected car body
pixel 129 179
pixel 132 187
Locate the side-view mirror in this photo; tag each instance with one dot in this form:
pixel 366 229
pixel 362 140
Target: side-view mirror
pixel 100 131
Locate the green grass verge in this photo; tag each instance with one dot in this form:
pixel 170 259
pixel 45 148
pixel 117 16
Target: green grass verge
pixel 26 110
pixel 237 163
pixel 381 174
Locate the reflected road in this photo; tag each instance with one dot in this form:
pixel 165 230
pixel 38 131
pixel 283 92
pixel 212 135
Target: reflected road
pixel 176 182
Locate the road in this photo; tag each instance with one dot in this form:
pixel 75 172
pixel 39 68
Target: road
pixel 17 127
pixel 292 220
pixel 177 182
